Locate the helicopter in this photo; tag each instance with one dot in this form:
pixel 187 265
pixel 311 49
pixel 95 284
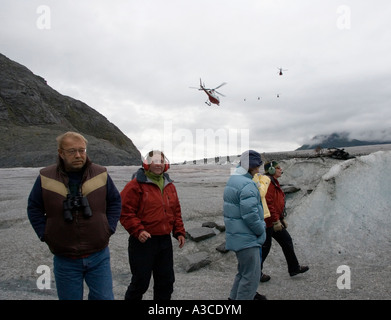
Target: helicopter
pixel 245 99
pixel 281 70
pixel 211 93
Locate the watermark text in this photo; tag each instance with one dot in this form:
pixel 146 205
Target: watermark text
pixel 44 18
pixel 43 281
pixel 344 17
pixel 343 281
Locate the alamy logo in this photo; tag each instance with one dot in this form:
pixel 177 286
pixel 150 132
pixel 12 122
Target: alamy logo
pixel 44 20
pixel 343 281
pixel 43 281
pixel 344 17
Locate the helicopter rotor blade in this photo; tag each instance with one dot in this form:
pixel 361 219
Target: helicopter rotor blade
pixel 219 93
pixel 224 83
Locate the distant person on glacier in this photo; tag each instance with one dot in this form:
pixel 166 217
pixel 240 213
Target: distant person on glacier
pixel 276 225
pixel 245 226
pixel 74 207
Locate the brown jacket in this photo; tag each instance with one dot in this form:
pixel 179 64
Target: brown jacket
pixel 82 236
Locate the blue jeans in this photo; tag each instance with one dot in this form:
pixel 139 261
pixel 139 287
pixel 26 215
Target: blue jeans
pixel 95 270
pixel 249 272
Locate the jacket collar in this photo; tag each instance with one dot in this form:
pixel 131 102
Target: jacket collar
pixel 274 181
pixel 242 172
pixel 142 178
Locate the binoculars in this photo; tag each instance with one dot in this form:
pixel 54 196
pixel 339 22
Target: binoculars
pixel 76 203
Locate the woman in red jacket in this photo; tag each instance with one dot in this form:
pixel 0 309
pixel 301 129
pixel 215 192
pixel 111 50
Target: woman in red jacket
pixel 150 213
pixel 276 225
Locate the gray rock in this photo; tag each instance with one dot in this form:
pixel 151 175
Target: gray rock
pixel 32 115
pixel 289 188
pixel 221 228
pixel 201 233
pixel 221 248
pixel 196 261
pixel 211 224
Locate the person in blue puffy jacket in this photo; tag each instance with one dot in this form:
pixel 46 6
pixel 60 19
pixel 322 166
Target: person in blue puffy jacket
pixel 245 226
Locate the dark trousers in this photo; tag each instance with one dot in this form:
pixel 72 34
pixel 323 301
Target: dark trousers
pixel 285 241
pixel 155 256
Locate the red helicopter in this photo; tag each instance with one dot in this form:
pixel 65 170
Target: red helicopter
pixel 281 70
pixel 211 93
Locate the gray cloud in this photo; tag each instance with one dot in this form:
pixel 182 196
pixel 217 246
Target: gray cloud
pixel 134 61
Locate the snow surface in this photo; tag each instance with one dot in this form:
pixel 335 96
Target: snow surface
pixel 349 211
pixel 340 216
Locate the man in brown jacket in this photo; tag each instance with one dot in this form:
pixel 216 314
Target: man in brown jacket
pixel 74 208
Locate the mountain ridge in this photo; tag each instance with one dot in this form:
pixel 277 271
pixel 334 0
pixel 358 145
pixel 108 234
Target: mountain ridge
pixel 32 115
pixel 337 140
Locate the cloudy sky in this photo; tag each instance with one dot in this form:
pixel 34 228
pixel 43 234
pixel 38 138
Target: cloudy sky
pixel 134 61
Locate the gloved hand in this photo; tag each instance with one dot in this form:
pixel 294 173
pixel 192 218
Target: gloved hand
pixel 284 223
pixel 277 226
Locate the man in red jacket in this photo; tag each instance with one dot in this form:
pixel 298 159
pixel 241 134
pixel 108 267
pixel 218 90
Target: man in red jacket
pixel 150 213
pixel 276 225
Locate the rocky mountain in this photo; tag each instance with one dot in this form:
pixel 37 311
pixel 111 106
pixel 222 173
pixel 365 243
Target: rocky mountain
pixel 337 140
pixel 32 115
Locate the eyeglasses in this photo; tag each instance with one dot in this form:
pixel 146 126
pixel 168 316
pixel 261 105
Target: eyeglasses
pixel 72 152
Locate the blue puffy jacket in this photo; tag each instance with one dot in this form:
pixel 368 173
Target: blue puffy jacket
pixel 243 212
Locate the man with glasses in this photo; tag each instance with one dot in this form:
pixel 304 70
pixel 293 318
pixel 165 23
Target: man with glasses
pixel 74 208
pixel 276 225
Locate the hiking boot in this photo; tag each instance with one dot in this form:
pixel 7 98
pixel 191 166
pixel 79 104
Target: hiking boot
pixel 256 297
pixel 265 277
pixel 301 269
pixel 259 296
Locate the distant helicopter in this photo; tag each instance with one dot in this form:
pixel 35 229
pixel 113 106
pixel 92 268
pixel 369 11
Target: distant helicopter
pixel 281 70
pixel 259 98
pixel 211 93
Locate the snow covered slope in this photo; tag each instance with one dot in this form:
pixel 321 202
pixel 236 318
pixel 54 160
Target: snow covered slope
pixel 349 211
